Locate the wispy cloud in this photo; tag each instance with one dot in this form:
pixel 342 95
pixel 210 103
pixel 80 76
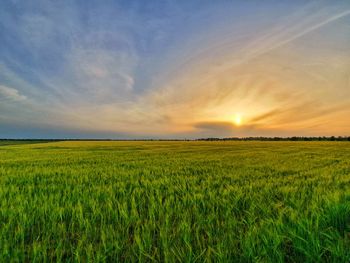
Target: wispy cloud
pixel 7 93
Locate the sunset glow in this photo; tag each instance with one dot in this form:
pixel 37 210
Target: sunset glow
pixel 179 69
pixel 238 119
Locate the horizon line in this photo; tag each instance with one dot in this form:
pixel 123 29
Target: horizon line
pixel 333 137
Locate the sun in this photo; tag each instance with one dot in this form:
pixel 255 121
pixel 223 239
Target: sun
pixel 238 119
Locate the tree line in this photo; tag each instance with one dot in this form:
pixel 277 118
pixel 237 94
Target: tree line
pixel 260 138
pixel 293 138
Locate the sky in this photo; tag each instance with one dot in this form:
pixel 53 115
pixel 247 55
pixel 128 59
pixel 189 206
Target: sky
pixel 174 69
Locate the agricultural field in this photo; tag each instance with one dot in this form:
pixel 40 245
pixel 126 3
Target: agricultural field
pixel 16 142
pixel 175 202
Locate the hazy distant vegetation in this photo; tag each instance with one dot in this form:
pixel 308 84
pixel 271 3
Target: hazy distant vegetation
pixel 294 138
pixel 175 201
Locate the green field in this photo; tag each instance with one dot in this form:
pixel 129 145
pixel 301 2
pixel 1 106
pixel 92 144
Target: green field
pixel 16 142
pixel 175 202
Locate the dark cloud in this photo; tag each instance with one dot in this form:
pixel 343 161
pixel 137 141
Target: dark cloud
pixel 223 129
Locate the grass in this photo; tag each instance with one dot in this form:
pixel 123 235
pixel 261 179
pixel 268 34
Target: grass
pixel 16 142
pixel 175 202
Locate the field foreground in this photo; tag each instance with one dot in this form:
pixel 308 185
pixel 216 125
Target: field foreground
pixel 175 201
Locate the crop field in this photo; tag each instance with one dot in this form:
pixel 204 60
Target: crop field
pixel 175 202
pixel 16 142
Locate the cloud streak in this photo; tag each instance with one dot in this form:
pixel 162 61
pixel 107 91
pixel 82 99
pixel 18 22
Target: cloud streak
pixel 7 93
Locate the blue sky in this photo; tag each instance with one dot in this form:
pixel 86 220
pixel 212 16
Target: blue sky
pixel 174 69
